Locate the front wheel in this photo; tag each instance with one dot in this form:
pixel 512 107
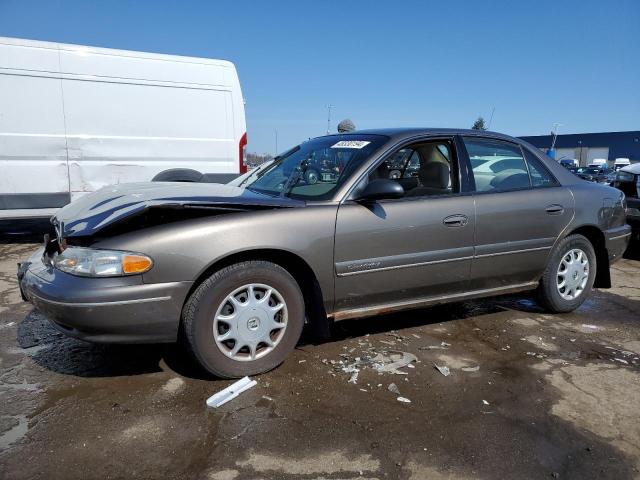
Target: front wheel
pixel 244 319
pixel 569 276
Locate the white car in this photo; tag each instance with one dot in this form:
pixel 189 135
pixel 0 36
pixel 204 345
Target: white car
pixel 74 119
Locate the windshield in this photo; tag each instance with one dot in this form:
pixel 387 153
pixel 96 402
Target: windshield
pixel 317 168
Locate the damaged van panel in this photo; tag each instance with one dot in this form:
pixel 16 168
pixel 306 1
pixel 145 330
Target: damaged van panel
pixel 111 205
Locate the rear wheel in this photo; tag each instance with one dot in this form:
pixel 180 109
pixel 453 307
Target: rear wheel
pixel 244 319
pixel 569 276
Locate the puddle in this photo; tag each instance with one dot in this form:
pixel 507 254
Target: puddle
pixel 15 433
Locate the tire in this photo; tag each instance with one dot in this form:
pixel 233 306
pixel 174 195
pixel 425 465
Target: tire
pixel 551 295
pixel 178 175
pixel 211 302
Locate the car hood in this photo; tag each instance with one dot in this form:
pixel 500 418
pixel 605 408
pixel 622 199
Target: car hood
pixel 109 205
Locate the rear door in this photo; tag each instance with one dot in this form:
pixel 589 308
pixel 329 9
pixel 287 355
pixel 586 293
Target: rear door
pixel 521 209
pixel 393 252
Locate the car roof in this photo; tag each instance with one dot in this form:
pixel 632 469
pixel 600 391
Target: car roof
pixel 399 133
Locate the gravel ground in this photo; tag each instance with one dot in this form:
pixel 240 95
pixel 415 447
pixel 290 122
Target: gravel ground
pixel 529 395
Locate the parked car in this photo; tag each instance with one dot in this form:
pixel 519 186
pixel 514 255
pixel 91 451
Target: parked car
pixel 74 119
pixel 628 181
pixel 234 272
pixel 594 173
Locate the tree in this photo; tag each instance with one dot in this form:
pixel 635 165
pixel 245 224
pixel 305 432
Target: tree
pixel 479 124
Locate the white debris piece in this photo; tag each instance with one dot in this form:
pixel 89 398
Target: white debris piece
pixel 403 400
pixel 444 370
pixel 621 361
pixel 485 402
pixel 231 392
pixel 471 369
pixel 393 388
pixel 354 377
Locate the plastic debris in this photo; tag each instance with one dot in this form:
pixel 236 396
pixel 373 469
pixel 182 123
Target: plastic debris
pixel 354 377
pixel 485 402
pixel 231 392
pixel 301 361
pixel 392 362
pixel 393 388
pixel 592 327
pixel 403 400
pixel 621 361
pixel 471 369
pixel 444 370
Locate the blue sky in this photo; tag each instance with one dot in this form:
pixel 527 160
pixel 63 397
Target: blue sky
pixel 411 63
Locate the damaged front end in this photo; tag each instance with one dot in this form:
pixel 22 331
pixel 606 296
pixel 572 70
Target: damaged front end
pixel 128 207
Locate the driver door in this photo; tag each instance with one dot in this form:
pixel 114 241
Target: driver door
pixel 402 251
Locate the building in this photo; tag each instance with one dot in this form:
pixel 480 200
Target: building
pixel 585 147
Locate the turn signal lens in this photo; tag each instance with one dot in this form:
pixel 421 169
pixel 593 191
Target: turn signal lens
pixel 135 264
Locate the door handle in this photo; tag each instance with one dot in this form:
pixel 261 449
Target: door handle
pixel 456 220
pixel 554 209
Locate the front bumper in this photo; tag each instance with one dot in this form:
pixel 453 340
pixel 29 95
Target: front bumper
pixel 106 310
pixel 633 212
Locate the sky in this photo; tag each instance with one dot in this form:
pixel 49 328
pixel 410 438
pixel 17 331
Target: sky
pixel 382 64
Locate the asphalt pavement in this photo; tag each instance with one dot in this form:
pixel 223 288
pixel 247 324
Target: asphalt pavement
pixel 527 395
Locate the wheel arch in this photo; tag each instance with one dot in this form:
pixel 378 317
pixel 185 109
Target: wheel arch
pixel 302 273
pixel 597 239
pixel 178 175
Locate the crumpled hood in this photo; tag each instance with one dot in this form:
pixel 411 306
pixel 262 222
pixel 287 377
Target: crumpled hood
pixel 95 211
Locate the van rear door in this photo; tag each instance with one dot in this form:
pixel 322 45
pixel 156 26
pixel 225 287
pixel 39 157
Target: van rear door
pixel 34 177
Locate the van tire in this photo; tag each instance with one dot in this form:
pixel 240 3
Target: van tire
pixel 202 307
pixel 178 175
pixel 549 294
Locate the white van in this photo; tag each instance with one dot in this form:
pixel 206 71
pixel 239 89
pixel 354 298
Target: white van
pixel 74 119
pixel 599 162
pixel 618 163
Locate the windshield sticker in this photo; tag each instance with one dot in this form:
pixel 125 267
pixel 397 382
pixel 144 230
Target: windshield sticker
pixel 351 144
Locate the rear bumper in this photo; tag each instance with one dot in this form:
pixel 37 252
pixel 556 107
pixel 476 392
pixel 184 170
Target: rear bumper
pixel 108 310
pixel 616 241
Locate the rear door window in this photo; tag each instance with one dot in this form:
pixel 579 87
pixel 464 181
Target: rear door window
pixel 497 166
pixel 540 176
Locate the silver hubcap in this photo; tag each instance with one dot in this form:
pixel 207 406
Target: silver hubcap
pixel 250 322
pixel 573 274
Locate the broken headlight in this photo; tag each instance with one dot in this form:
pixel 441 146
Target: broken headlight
pixel 90 262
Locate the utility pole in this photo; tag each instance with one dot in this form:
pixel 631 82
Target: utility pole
pixel 329 107
pixel 491 118
pixel 554 134
pixel 276 133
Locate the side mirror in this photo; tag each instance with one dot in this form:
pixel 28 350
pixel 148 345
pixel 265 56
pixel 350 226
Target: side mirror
pixel 380 189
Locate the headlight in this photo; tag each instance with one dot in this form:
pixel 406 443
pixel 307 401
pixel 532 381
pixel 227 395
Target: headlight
pixel 89 262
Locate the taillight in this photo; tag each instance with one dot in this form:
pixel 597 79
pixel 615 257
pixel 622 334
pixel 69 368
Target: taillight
pixel 243 147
